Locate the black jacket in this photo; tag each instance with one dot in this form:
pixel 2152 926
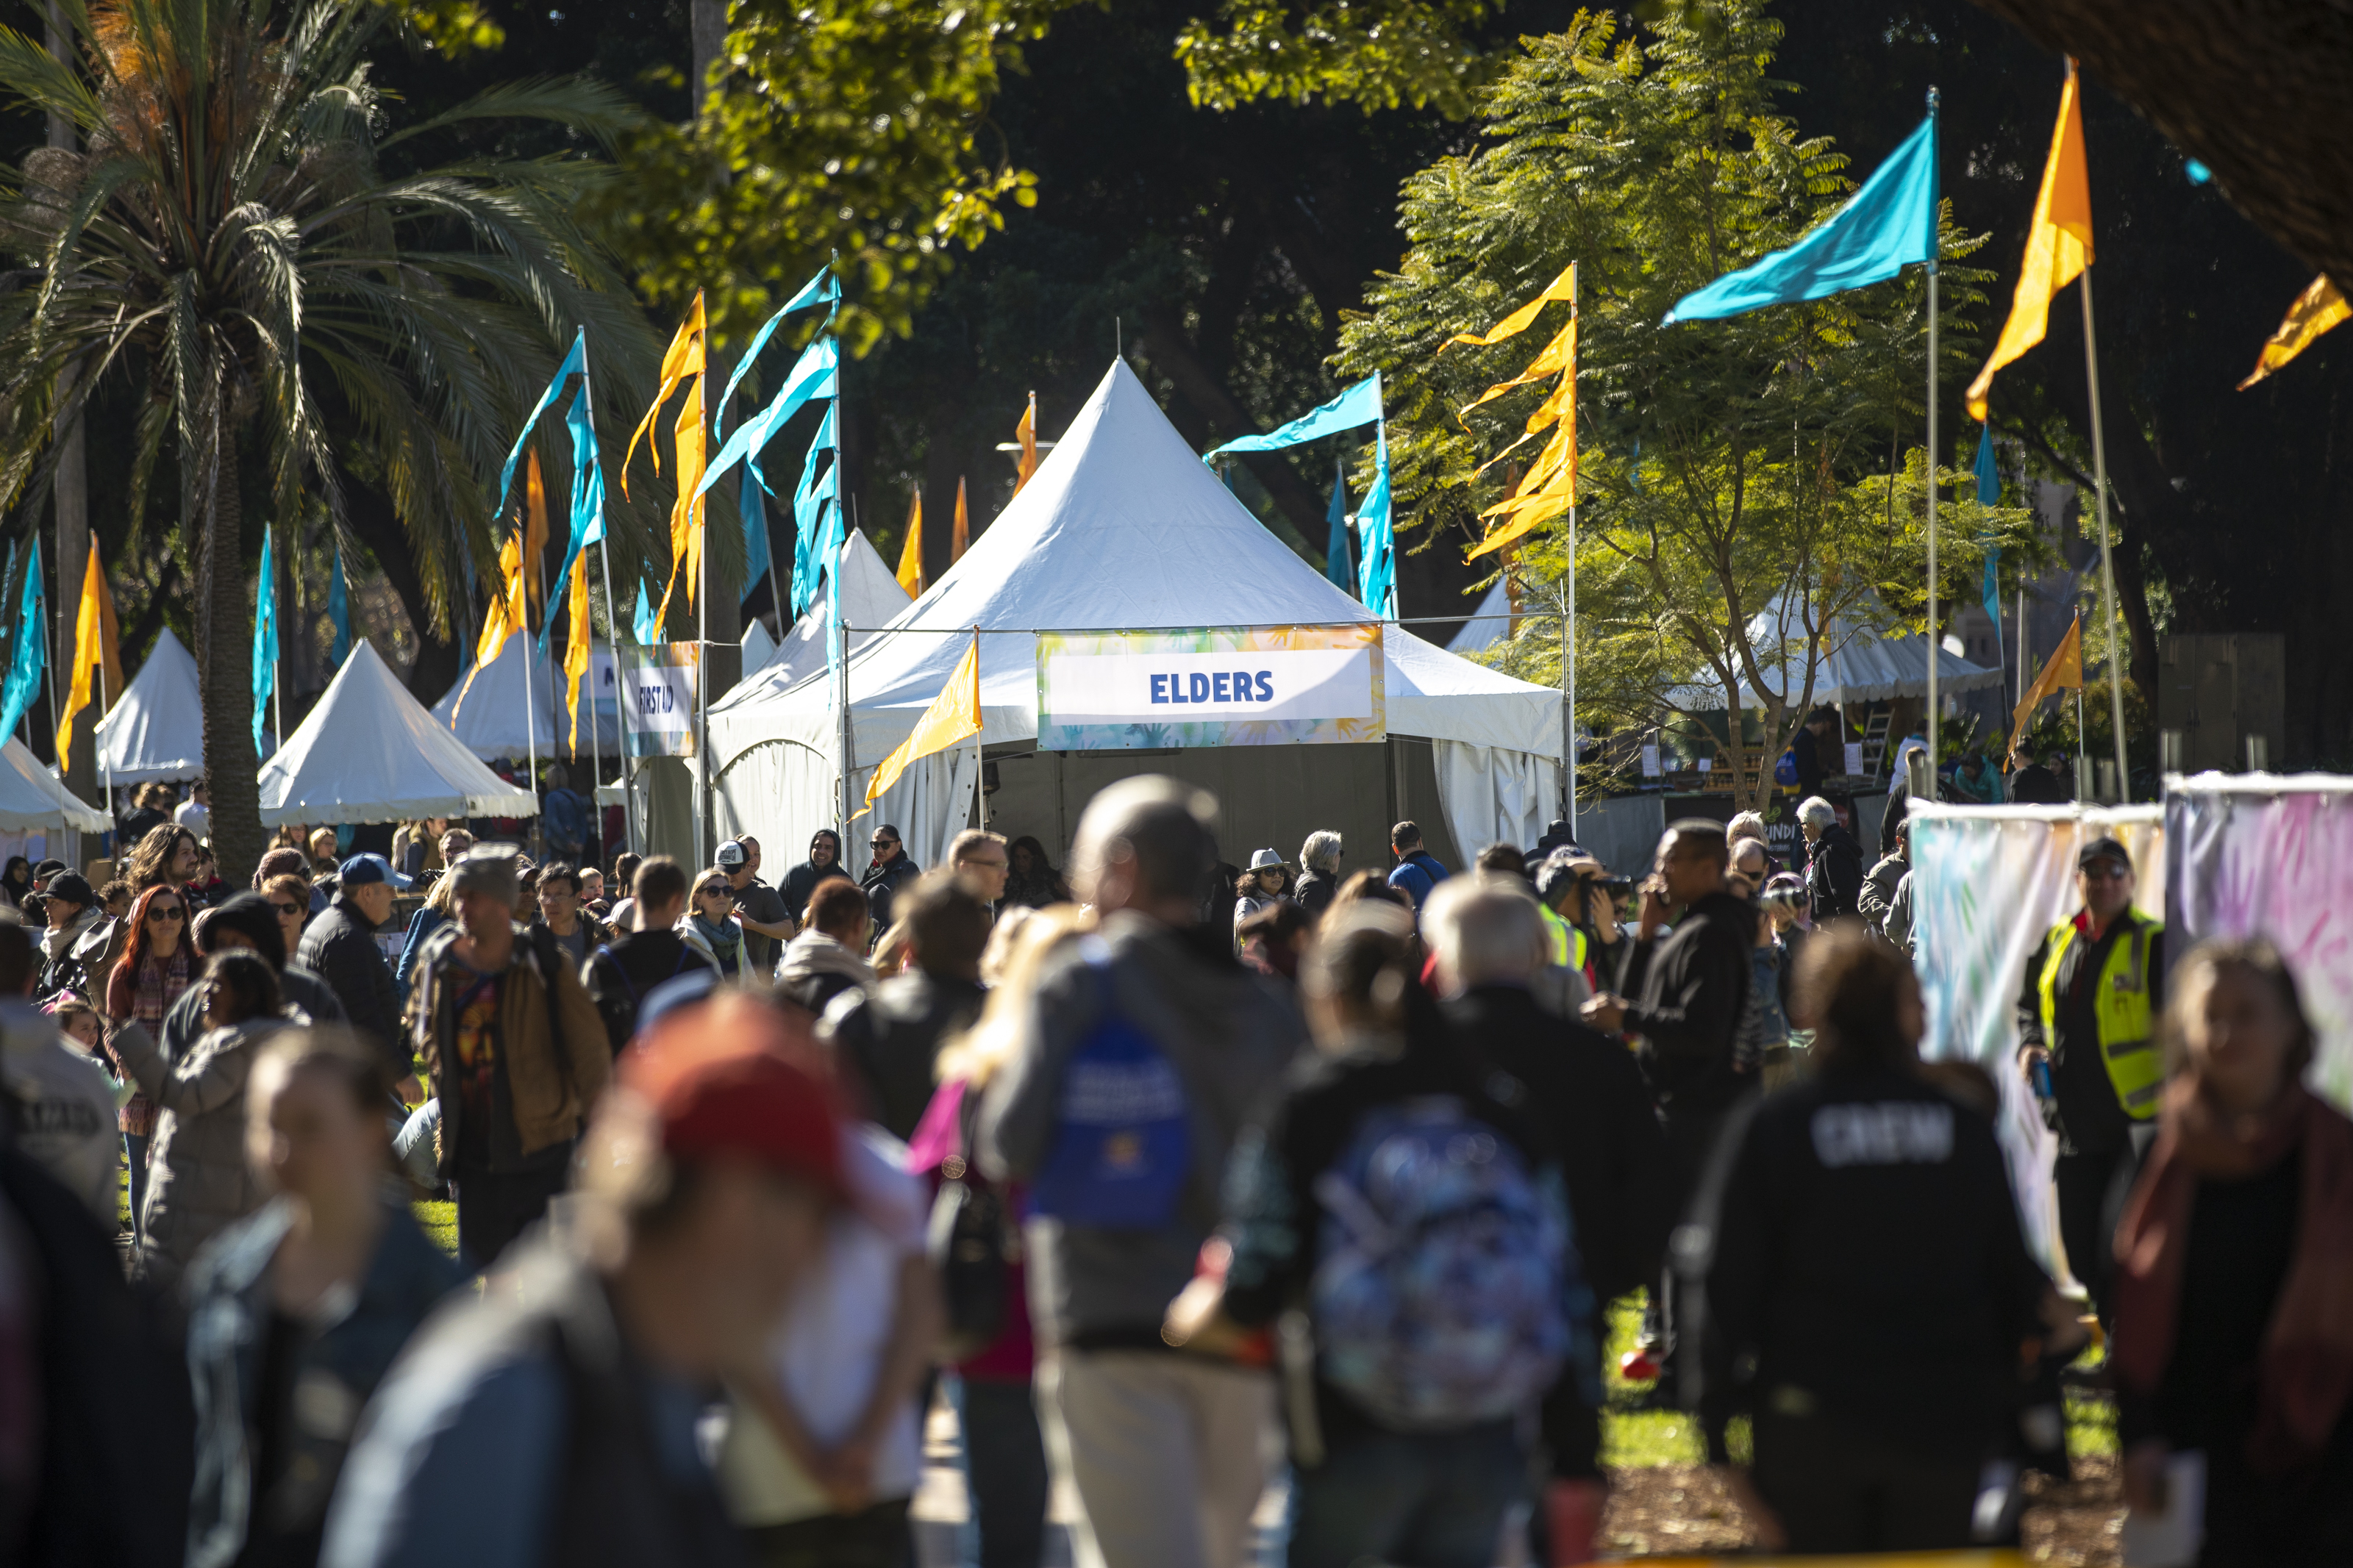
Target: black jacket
pixel 891 1037
pixel 1855 1251
pixel 1835 875
pixel 2086 1117
pixel 1314 893
pixel 619 972
pixel 340 945
pixel 882 884
pixel 1688 987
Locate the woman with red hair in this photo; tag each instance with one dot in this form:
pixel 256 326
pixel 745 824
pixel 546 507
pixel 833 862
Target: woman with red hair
pixel 156 965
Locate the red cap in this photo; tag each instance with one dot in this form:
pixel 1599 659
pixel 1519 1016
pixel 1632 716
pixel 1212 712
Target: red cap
pixel 737 1076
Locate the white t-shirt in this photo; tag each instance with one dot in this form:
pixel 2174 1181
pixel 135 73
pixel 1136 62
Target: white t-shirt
pixel 195 818
pixel 830 1346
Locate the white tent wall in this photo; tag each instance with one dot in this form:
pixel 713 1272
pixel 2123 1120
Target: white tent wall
pixel 490 720
pixel 781 793
pixel 1490 795
pixel 156 730
pixel 369 751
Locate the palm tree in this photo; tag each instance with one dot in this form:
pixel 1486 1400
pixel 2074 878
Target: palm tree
pixel 234 243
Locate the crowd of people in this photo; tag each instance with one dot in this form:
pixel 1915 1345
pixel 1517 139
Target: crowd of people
pixel 1168 1175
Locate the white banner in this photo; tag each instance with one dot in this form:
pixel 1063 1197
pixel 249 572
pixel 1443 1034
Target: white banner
pixel 657 699
pixel 1193 688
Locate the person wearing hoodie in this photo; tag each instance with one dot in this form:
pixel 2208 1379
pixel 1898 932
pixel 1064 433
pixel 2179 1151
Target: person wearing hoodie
pixel 1142 1051
pixel 245 921
pixel 198 1181
pixel 1833 863
pixel 72 910
pixel 829 957
pixel 60 1106
pixel 824 860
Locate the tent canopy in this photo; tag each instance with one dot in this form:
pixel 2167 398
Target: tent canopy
pixel 370 753
pixel 1855 664
pixel 870 598
pixel 1489 623
pixel 157 730
pixel 33 796
pixel 1121 528
pixel 490 724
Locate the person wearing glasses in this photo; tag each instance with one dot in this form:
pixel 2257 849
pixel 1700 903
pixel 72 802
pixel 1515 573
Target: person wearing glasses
pixel 157 964
pixel 891 870
pixel 2089 1047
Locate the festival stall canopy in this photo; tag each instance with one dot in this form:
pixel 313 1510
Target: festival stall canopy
pixel 490 720
pixel 870 598
pixel 157 730
pixel 370 753
pixel 1121 528
pixel 1489 623
pixel 1856 664
pixel 33 796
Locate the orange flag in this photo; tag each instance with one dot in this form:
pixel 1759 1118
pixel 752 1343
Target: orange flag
pixel 502 620
pixel 2318 309
pixel 910 555
pixel 954 715
pixel 961 540
pixel 1027 434
pixel 1560 288
pixel 682 360
pixel 535 543
pixel 2063 672
pixel 2058 244
pixel 575 648
pixel 1550 487
pixel 97 646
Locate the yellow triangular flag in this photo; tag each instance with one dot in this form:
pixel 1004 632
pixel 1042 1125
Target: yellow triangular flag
pixel 911 556
pixel 2318 309
pixel 1560 288
pixel 681 358
pixel 1027 434
pixel 2064 671
pixel 500 621
pixel 953 716
pixel 1550 487
pixel 534 544
pixel 96 647
pixel 2058 244
pixel 576 648
pixel 961 540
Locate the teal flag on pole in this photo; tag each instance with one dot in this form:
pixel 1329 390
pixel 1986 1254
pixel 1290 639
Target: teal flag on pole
pixel 265 638
pixel 24 662
pixel 809 498
pixel 339 610
pixel 1377 573
pixel 1989 494
pixel 1887 226
pixel 817 375
pixel 587 500
pixel 642 626
pixel 1360 405
pixel 575 364
pixel 1339 563
pixel 820 290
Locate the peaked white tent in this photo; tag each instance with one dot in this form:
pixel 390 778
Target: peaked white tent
pixel 1489 623
pixel 1122 527
pixel 871 599
pixel 33 796
pixel 491 721
pixel 157 730
pixel 1856 664
pixel 370 753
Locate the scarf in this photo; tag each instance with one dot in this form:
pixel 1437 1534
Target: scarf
pixel 726 940
pixel 2306 1366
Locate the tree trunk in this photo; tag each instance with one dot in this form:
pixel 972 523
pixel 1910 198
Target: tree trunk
pixel 70 490
pixel 224 658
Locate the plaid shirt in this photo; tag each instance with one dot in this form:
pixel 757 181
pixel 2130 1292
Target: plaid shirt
pixel 154 989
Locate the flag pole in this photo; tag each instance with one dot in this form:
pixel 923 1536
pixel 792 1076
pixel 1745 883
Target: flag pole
pixel 1568 598
pixel 1934 642
pixel 530 710
pixel 2108 564
pixel 612 647
pixel 276 669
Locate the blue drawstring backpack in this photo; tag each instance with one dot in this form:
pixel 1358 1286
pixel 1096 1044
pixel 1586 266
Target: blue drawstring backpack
pixel 1124 1147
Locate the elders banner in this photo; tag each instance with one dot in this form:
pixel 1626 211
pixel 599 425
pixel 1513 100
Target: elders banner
pixel 658 693
pixel 1220 686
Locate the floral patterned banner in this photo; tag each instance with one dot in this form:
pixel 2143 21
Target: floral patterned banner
pixel 1219 686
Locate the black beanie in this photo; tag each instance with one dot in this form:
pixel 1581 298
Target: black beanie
pixel 250 916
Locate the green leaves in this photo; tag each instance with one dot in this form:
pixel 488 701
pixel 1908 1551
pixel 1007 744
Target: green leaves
pixel 1376 54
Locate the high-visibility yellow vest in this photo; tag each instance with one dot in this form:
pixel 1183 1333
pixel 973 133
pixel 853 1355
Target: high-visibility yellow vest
pixel 1568 942
pixel 2127 1023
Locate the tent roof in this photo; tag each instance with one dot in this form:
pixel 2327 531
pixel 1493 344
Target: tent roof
pixel 1857 664
pixel 1489 623
pixel 32 796
pixel 370 753
pixel 490 723
pixel 870 598
pixel 1121 528
pixel 157 731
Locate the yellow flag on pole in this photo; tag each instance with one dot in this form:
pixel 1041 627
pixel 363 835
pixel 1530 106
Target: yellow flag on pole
pixel 96 647
pixel 2064 671
pixel 682 361
pixel 1027 434
pixel 910 555
pixel 2318 309
pixel 1550 487
pixel 2058 244
pixel 576 648
pixel 961 540
pixel 534 544
pixel 502 620
pixel 1560 288
pixel 953 716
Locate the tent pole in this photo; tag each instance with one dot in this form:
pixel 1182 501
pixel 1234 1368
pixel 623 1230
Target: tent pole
pixel 702 708
pixel 620 714
pixel 1934 640
pixel 530 729
pixel 2107 567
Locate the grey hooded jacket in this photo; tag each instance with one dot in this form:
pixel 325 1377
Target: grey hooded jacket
pixel 199 1181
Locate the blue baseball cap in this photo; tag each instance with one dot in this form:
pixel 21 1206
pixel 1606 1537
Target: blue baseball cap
pixel 366 870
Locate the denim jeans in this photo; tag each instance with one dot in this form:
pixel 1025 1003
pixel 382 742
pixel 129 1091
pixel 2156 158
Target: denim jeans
pixel 1433 1499
pixel 1005 1459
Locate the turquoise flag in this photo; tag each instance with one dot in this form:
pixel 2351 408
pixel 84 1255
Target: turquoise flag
pixel 587 500
pixel 756 563
pixel 643 626
pixel 809 498
pixel 1360 405
pixel 1338 563
pixel 1890 223
pixel 26 662
pixel 1377 577
pixel 1989 494
pixel 820 290
pixel 817 375
pixel 575 364
pixel 339 610
pixel 265 639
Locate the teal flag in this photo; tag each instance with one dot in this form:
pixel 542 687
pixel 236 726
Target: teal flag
pixel 575 364
pixel 587 500
pixel 1989 494
pixel 265 638
pixel 810 500
pixel 339 610
pixel 818 375
pixel 1890 223
pixel 642 626
pixel 1376 574
pixel 24 662
pixel 820 290
pixel 757 561
pixel 1338 563
pixel 1360 405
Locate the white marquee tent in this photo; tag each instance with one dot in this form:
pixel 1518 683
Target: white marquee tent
pixel 33 796
pixel 1857 665
pixel 1122 527
pixel 1489 623
pixel 490 723
pixel 871 597
pixel 370 753
pixel 157 730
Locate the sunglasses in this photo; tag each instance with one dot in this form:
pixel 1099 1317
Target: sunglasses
pixel 167 912
pixel 882 842
pixel 285 911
